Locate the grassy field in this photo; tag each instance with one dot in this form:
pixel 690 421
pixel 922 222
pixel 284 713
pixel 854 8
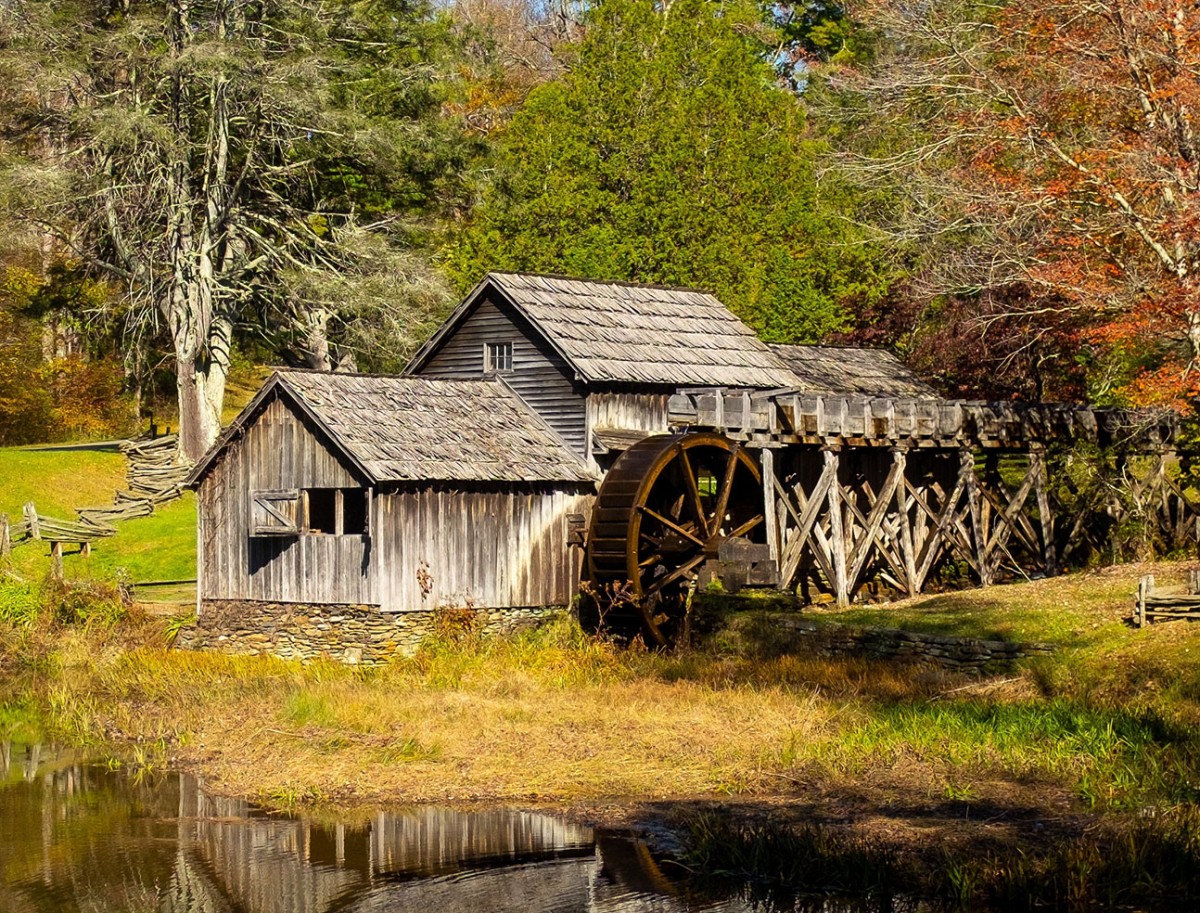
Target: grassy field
pixel 57 481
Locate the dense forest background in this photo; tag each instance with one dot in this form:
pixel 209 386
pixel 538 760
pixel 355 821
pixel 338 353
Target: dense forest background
pixel 1003 193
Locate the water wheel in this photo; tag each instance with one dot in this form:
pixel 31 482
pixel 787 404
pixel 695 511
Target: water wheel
pixel 663 510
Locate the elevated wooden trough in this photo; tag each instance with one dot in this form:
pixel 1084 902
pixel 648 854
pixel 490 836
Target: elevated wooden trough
pixel 791 417
pixel 890 492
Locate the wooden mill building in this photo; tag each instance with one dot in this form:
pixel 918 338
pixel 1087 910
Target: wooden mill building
pixel 335 500
pixel 390 492
pixel 598 361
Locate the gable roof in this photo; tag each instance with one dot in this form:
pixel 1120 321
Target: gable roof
pixel 854 371
pixel 616 332
pixel 409 429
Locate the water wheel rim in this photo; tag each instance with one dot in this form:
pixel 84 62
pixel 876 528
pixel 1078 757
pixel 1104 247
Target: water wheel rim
pixel 675 451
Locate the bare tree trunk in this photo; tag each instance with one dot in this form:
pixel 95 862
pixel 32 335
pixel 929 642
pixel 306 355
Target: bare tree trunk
pixel 202 331
pixel 201 389
pixel 315 336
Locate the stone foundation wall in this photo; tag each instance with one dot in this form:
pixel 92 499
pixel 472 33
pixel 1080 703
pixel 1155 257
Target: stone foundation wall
pixel 351 634
pixel 966 655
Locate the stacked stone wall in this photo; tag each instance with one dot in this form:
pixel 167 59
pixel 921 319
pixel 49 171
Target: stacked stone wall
pixel 966 655
pixel 350 634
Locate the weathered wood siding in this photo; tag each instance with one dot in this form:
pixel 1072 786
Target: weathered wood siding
pixel 282 449
pixel 540 376
pixel 487 549
pixel 628 411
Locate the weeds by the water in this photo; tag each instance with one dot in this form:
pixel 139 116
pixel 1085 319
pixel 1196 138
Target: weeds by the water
pixel 809 859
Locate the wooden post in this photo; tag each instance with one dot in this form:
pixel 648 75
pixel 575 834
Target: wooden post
pixel 85 548
pixel 31 518
pixel 1145 588
pixel 56 563
pixel 978 526
pixel 1045 515
pixel 769 516
pixel 837 537
pixel 5 536
pixel 907 548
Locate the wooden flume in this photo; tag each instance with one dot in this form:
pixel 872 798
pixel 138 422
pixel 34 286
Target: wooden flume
pixel 882 492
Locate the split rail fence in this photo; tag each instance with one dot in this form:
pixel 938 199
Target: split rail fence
pixel 152 478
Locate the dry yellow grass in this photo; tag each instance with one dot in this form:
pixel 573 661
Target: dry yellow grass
pixel 556 716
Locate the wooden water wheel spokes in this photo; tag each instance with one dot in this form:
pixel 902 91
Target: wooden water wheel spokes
pixel 663 511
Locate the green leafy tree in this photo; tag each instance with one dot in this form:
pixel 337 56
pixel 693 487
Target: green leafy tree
pixel 668 152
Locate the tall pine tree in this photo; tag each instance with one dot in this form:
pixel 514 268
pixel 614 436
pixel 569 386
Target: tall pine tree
pixel 669 153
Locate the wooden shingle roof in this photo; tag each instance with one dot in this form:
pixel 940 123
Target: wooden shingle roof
pixel 410 429
pixel 614 332
pixel 852 371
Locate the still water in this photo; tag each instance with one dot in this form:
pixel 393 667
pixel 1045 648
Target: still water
pixel 76 836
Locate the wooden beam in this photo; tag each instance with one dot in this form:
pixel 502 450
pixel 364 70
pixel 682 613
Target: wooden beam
pixel 837 537
pixel 908 553
pixel 33 527
pixel 872 527
pixel 1006 521
pixel 805 520
pixel 1037 456
pixel 932 546
pixel 768 483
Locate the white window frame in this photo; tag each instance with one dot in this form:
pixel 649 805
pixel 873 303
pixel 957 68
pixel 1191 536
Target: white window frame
pixel 498 365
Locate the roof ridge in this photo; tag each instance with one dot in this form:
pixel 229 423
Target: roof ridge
pixel 621 283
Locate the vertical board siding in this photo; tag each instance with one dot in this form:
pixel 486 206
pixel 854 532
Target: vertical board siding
pixel 540 376
pixel 484 549
pixel 628 411
pixel 279 450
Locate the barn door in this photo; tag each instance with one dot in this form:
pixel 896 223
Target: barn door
pixel 275 513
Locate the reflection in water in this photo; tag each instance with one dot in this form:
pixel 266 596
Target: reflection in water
pixel 77 836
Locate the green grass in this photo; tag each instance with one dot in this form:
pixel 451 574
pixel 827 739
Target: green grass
pixel 1079 610
pixel 58 481
pixel 159 547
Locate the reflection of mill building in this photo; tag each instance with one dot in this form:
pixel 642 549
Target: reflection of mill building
pixel 428 859
pixel 77 836
pixel 643 438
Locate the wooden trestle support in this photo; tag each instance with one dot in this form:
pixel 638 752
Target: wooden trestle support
pixel 853 520
pixel 894 492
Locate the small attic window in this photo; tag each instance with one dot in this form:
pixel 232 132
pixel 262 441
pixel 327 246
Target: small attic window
pixel 497 357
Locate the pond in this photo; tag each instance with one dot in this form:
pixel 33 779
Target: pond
pixel 79 836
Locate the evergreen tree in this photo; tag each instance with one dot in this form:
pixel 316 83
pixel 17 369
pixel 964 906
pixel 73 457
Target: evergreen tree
pixel 669 153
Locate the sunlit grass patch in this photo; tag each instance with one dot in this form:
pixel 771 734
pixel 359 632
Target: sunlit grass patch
pixel 1111 757
pixel 58 481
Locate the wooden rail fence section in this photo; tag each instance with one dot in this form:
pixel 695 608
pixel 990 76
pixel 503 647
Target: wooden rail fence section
pixel 153 478
pixel 840 514
pixel 1167 606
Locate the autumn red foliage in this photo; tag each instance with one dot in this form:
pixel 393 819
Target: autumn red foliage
pixel 1062 136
